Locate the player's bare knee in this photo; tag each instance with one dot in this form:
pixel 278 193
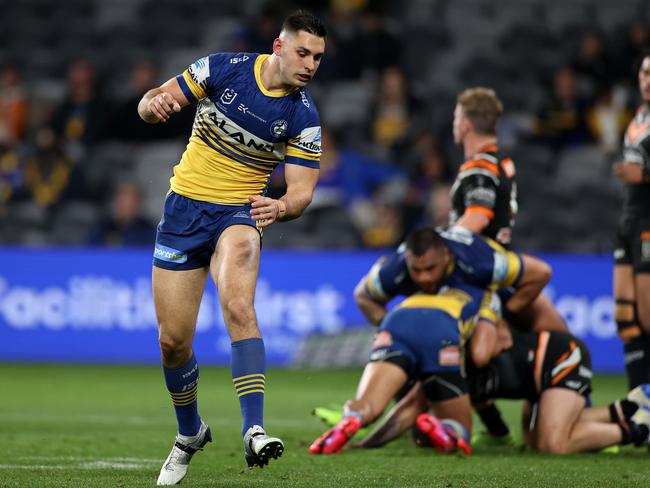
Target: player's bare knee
pixel 238 313
pixel 552 444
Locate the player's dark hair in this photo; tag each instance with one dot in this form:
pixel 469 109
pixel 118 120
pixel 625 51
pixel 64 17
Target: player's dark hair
pixel 482 107
pixel 420 240
pixel 305 21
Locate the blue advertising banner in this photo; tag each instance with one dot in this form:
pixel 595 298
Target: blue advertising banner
pixel 95 305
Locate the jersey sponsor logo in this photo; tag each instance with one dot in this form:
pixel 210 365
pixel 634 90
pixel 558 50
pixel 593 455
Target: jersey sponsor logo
pixel 304 99
pixel 169 254
pixel 238 135
pixel 200 70
pixel 228 96
pixel 239 59
pixel 449 356
pixel 279 128
pixel 500 270
pixel 485 197
pixel 310 139
pixel 247 111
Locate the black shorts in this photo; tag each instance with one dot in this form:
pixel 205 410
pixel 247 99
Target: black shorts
pixel 633 243
pixel 566 364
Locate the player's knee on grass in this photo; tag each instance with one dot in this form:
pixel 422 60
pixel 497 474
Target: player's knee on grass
pixel 552 442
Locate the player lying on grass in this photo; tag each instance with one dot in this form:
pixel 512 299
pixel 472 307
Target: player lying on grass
pixel 420 338
pixel 551 370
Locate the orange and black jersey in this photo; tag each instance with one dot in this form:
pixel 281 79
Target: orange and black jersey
pixel 536 362
pixel 636 149
pixel 486 184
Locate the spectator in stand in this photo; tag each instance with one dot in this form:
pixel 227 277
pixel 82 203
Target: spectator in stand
pixel 126 123
pixel 125 226
pixel 80 120
pixel 391 112
pixel 13 105
pixel 562 119
pixel 590 63
pixel 608 117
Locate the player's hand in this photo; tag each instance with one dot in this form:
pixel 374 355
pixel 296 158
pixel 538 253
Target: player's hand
pixel 628 173
pixel 162 106
pixel 264 210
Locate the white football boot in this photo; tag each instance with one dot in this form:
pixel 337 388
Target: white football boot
pixel 640 395
pixel 259 447
pixel 175 467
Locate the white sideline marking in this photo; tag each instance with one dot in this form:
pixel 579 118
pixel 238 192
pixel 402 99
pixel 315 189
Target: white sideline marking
pixel 108 463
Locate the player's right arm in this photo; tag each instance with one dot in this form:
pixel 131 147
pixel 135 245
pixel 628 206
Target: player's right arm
pixel 372 308
pixel 158 104
pixel 376 288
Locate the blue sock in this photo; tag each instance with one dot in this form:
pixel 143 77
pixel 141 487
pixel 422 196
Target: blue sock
pixel 183 384
pixel 248 368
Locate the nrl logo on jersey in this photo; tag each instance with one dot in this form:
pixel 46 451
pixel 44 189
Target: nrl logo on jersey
pixel 200 70
pixel 279 128
pixel 228 96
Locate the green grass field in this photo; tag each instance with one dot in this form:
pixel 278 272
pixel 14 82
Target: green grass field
pixel 112 426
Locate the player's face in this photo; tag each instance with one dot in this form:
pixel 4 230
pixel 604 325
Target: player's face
pixel 427 271
pixel 460 125
pixel 644 79
pixel 300 55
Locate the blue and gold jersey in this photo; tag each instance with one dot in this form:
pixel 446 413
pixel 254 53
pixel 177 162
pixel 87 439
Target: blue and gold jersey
pixel 241 130
pixel 476 261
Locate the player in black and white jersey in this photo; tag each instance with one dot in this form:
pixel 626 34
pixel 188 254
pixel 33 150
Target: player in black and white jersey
pixel 632 253
pixel 484 195
pixel 484 200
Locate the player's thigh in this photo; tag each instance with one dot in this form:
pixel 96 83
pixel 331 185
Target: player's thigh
pixel 642 289
pixel 459 409
pixel 380 382
pixel 558 412
pixel 177 297
pixel 624 287
pixel 235 263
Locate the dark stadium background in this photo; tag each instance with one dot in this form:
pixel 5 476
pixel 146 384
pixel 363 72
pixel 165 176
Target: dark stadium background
pixel 74 154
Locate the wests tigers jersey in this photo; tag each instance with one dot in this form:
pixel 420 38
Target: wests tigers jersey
pixel 241 131
pixel 636 149
pixel 486 184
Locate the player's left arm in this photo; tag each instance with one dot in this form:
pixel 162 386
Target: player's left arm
pixel 534 276
pixel 301 181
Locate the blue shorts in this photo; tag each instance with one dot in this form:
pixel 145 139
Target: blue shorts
pixel 420 340
pixel 189 230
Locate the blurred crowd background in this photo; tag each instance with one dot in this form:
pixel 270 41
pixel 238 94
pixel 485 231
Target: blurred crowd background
pixel 77 166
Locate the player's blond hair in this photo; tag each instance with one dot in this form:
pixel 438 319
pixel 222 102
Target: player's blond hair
pixel 482 107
